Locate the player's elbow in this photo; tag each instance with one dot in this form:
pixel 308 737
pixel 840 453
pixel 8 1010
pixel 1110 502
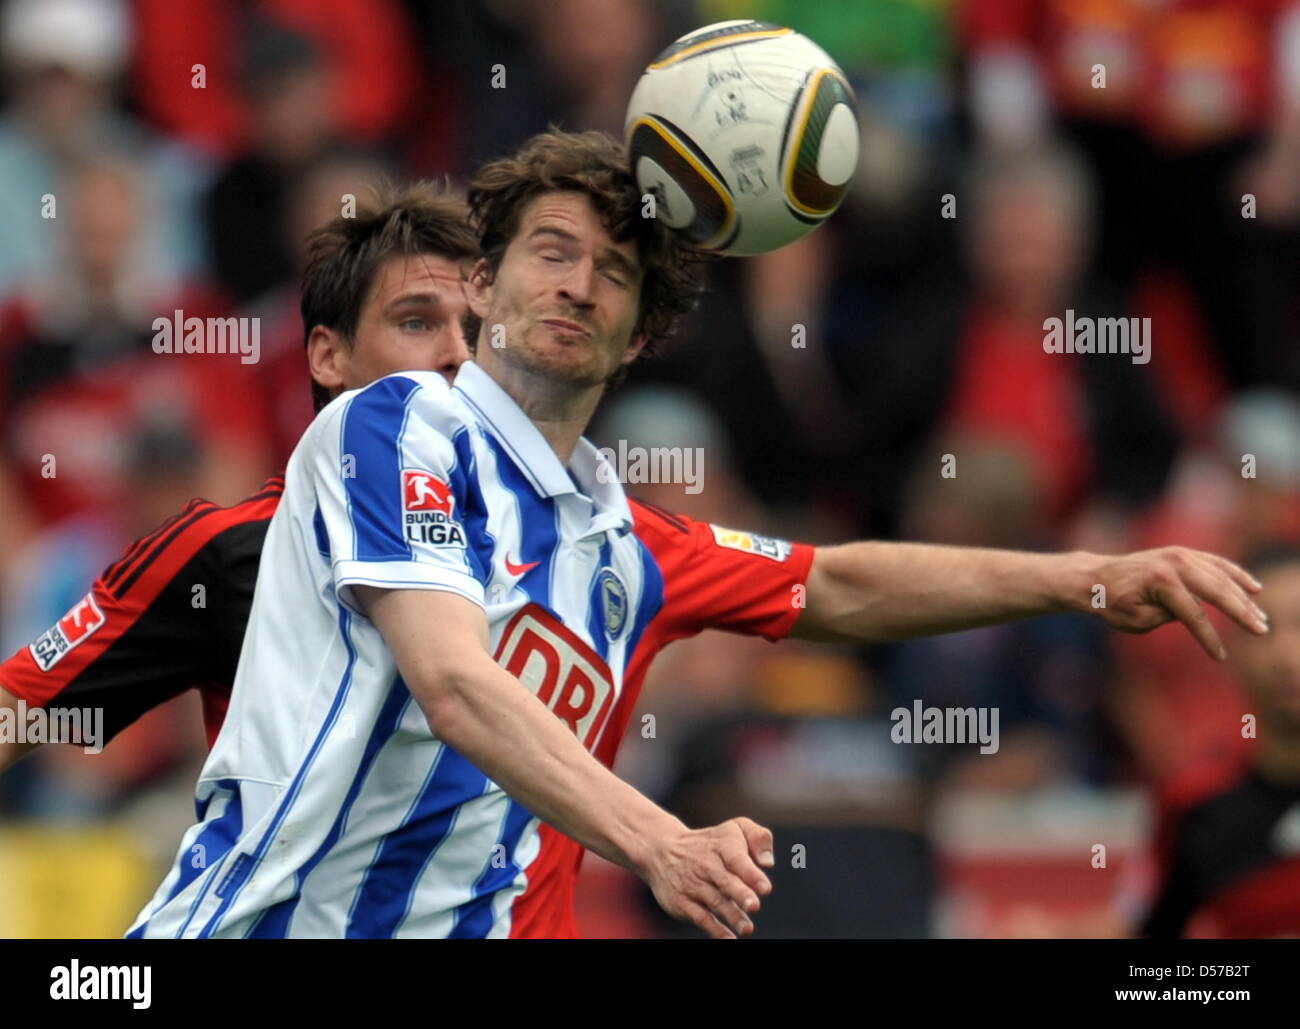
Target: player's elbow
pixel 443 694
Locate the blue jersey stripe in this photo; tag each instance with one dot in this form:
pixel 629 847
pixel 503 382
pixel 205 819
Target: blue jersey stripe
pixel 322 537
pixel 538 522
pixel 473 513
pixel 215 841
pixel 242 875
pixel 274 922
pixel 474 919
pixel 372 437
pixel 385 895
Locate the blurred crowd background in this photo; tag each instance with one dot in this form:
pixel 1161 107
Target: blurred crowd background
pixel 1170 193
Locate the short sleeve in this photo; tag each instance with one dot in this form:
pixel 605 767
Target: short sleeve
pixel 719 578
pixel 391 492
pixel 137 638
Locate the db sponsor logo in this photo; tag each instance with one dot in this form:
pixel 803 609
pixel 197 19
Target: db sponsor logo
pixel 424 491
pixel 428 502
pixel 566 674
pixel 74 627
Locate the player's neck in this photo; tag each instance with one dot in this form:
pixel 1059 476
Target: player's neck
pixel 560 410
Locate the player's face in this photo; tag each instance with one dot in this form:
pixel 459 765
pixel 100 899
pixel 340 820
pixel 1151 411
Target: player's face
pixel 1270 665
pixel 565 299
pixel 411 321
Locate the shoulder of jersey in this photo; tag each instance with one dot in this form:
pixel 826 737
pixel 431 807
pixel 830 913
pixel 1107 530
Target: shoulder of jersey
pixel 434 392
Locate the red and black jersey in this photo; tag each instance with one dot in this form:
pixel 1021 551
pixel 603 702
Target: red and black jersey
pixel 1229 852
pixel 167 617
pixel 170 614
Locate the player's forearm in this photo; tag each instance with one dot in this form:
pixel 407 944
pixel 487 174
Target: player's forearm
pixel 877 591
pixel 497 724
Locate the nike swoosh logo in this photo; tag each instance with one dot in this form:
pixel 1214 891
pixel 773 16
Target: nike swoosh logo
pixel 515 569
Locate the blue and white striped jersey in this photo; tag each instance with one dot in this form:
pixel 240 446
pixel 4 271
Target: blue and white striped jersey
pixel 328 808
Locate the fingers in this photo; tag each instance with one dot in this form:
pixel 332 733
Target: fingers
pixel 732 881
pixel 1210 581
pixel 758 851
pixel 731 916
pixel 728 900
pixel 1178 601
pixel 737 878
pixel 704 919
pixel 713 881
pixel 758 840
pixel 1239 575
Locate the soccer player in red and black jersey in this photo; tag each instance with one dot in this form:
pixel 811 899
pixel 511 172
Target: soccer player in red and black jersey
pixel 391 302
pixel 1228 835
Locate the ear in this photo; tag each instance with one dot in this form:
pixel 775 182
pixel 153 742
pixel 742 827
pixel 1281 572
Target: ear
pixel 635 347
pixel 326 353
pixel 478 289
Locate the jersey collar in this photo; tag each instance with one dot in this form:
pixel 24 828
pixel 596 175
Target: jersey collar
pixel 596 478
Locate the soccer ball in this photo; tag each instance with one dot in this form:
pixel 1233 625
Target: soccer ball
pixel 746 135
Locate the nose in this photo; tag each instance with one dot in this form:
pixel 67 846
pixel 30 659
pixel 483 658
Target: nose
pixel 453 351
pixel 578 286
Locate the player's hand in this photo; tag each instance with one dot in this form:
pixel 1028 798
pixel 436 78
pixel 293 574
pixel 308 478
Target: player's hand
pixel 1151 587
pixel 712 877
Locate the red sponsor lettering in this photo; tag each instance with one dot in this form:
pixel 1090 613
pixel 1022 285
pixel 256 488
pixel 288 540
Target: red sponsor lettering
pixel 567 675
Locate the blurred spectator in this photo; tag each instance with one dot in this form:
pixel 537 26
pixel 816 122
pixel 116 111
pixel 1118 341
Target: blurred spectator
pixel 291 125
pixel 1176 710
pixel 522 64
pixel 63 60
pixel 80 376
pixel 368 65
pixel 1045 677
pixel 1181 107
pixel 1228 843
pixel 281 378
pixel 969 358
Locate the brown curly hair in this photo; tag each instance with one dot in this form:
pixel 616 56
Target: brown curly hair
pixel 596 164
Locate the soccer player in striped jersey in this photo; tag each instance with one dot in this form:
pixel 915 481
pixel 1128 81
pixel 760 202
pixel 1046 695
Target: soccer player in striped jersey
pixel 857 591
pixel 382 294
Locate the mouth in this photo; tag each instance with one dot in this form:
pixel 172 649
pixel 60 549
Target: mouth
pixel 568 328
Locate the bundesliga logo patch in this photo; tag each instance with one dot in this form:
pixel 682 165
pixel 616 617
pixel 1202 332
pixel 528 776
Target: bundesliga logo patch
pixel 767 546
pixel 73 628
pixel 427 504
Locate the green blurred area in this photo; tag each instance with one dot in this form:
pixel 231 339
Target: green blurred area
pixel 883 35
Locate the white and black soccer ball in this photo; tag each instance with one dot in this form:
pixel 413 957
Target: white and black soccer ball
pixel 746 135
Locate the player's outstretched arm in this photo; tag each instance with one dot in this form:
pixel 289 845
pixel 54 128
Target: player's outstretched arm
pixel 890 591
pixel 711 877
